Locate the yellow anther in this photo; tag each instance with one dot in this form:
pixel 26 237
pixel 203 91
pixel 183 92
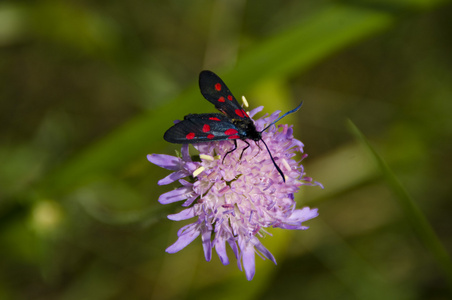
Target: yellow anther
pixel 206 157
pixel 198 171
pixel 245 103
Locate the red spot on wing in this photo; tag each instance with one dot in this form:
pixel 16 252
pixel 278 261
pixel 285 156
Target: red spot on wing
pixel 244 113
pixel 218 86
pixel 210 136
pixel 229 97
pixel 233 137
pixel 206 128
pixel 240 112
pixel 230 131
pixel 221 99
pixel 214 119
pixel 190 136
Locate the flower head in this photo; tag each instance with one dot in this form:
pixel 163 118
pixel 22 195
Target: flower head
pixel 234 198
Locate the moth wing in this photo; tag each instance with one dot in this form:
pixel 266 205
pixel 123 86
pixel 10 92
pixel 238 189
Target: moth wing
pixel 216 92
pixel 198 128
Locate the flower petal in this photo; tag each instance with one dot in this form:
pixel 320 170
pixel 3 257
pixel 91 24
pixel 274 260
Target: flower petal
pixel 184 239
pixel 232 243
pixel 190 200
pixel 183 215
pixel 304 214
pixel 297 217
pixel 174 195
pixel 255 111
pixel 220 247
pixel 165 161
pixel 264 251
pixel 172 177
pixel 207 244
pixel 248 258
pixel 185 154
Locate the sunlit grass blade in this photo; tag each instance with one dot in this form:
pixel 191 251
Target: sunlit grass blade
pixel 412 212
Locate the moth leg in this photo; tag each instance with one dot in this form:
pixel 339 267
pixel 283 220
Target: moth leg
pixel 257 144
pixel 230 151
pixel 260 149
pixel 247 146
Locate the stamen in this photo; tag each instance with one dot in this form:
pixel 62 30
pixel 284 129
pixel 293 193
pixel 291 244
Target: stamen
pixel 206 157
pixel 245 103
pixel 198 171
pixel 286 164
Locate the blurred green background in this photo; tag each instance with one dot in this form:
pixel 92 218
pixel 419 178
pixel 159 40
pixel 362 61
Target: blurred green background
pixel 88 88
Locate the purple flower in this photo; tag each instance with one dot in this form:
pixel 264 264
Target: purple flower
pixel 236 199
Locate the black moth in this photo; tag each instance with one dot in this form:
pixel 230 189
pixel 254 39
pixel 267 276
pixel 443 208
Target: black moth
pixel 232 124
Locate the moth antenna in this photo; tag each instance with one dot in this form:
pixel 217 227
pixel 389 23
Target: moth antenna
pixel 273 160
pixel 289 112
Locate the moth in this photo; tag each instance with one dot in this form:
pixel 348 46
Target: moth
pixel 232 123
